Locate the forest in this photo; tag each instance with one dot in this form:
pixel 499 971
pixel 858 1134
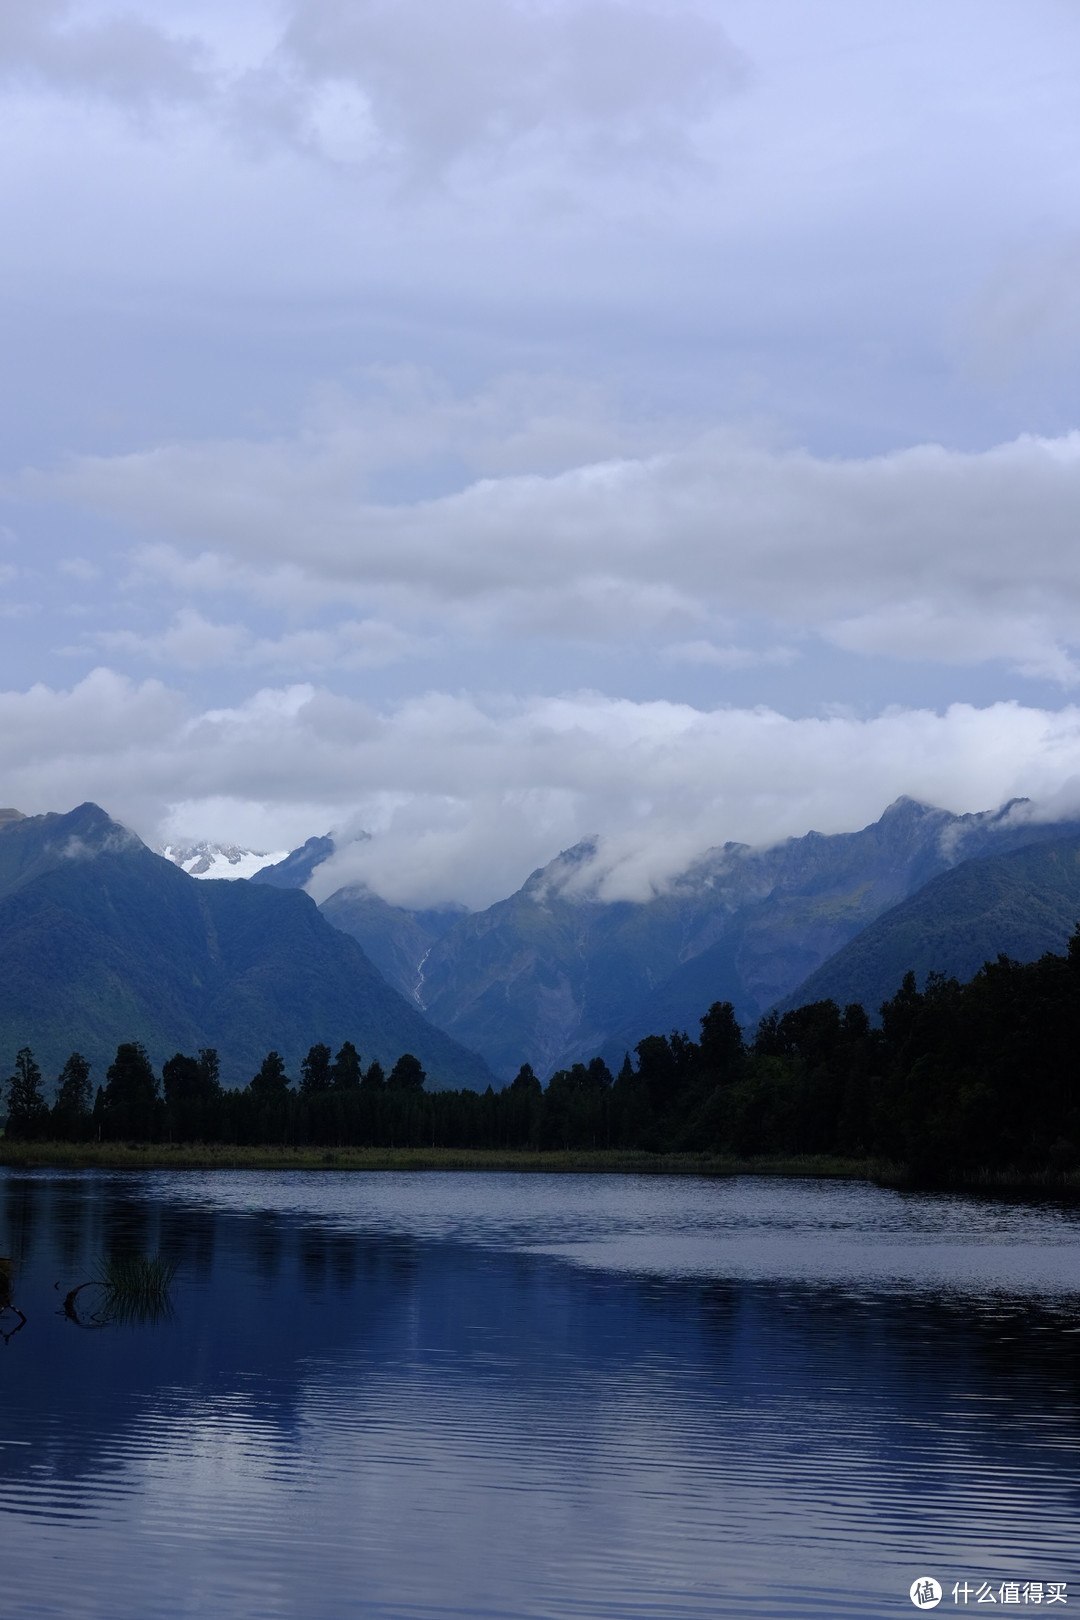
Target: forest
pixel 955 1078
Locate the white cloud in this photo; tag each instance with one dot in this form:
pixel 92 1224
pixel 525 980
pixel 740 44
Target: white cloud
pixel 924 553
pixel 194 642
pixel 464 797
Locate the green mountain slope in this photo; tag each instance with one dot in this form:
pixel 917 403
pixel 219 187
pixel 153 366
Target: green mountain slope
pixel 1020 904
pixel 102 941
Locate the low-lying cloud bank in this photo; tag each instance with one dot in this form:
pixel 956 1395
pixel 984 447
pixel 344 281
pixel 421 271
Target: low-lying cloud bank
pixel 924 553
pixel 465 795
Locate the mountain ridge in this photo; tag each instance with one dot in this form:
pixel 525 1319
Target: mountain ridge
pixel 1021 903
pixel 553 974
pixel 103 941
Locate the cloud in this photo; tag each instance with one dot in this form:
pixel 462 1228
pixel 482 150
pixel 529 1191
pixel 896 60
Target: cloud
pixel 119 57
pixel 922 553
pixel 195 642
pixel 80 568
pixel 407 84
pixel 1027 312
pixel 431 84
pixel 464 796
pixel 728 657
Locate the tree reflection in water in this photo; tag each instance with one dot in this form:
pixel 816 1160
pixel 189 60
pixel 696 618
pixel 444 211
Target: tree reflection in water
pixel 12 1320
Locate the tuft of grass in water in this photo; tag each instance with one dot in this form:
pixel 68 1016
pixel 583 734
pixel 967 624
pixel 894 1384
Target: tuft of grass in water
pixel 135 1288
pixel 136 1276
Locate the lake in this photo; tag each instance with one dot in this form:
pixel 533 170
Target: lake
pixel 423 1396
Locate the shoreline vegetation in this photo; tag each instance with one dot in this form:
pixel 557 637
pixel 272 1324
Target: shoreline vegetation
pixel 139 1156
pixel 271 1156
pixel 970 1086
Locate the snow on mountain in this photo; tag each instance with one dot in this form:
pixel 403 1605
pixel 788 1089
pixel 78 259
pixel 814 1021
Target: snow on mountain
pixel 220 860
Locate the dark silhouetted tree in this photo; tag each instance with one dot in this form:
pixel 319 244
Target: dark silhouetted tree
pixel 407 1074
pixel 345 1070
pixel 374 1077
pixel 180 1078
pixel 598 1076
pixel 525 1080
pixel 192 1092
pixel 131 1094
pixel 315 1069
pixel 723 1053
pixel 27 1110
pixel 209 1073
pixel 74 1098
pixel 271 1080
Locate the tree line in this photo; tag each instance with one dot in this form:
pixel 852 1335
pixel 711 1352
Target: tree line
pixel 955 1078
pixel 189 1103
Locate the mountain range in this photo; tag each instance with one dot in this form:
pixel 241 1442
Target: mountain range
pixel 554 974
pixel 103 941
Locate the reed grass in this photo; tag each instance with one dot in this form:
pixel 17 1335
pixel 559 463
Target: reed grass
pixel 136 1278
pixel 123 1289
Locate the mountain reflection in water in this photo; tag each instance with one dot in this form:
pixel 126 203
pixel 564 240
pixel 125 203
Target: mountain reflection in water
pixel 422 1396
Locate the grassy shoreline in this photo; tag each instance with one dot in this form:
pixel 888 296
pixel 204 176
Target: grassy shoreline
pixel 574 1161
pixel 221 1156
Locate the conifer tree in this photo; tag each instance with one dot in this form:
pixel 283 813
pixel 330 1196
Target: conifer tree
pixel 374 1077
pixel 722 1050
pixel 74 1097
pixel 315 1069
pixel 26 1106
pixel 598 1076
pixel 271 1080
pixel 407 1074
pixel 180 1077
pixel 209 1073
pixel 131 1094
pixel 345 1070
pixel 192 1089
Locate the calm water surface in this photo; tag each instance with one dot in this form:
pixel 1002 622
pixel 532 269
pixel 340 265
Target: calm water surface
pixel 425 1396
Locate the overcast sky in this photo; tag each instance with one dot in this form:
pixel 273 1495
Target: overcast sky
pixel 484 423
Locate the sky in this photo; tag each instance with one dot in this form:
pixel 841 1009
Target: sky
pixel 482 424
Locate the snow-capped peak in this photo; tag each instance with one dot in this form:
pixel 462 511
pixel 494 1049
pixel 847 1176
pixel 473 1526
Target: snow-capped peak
pixel 220 860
